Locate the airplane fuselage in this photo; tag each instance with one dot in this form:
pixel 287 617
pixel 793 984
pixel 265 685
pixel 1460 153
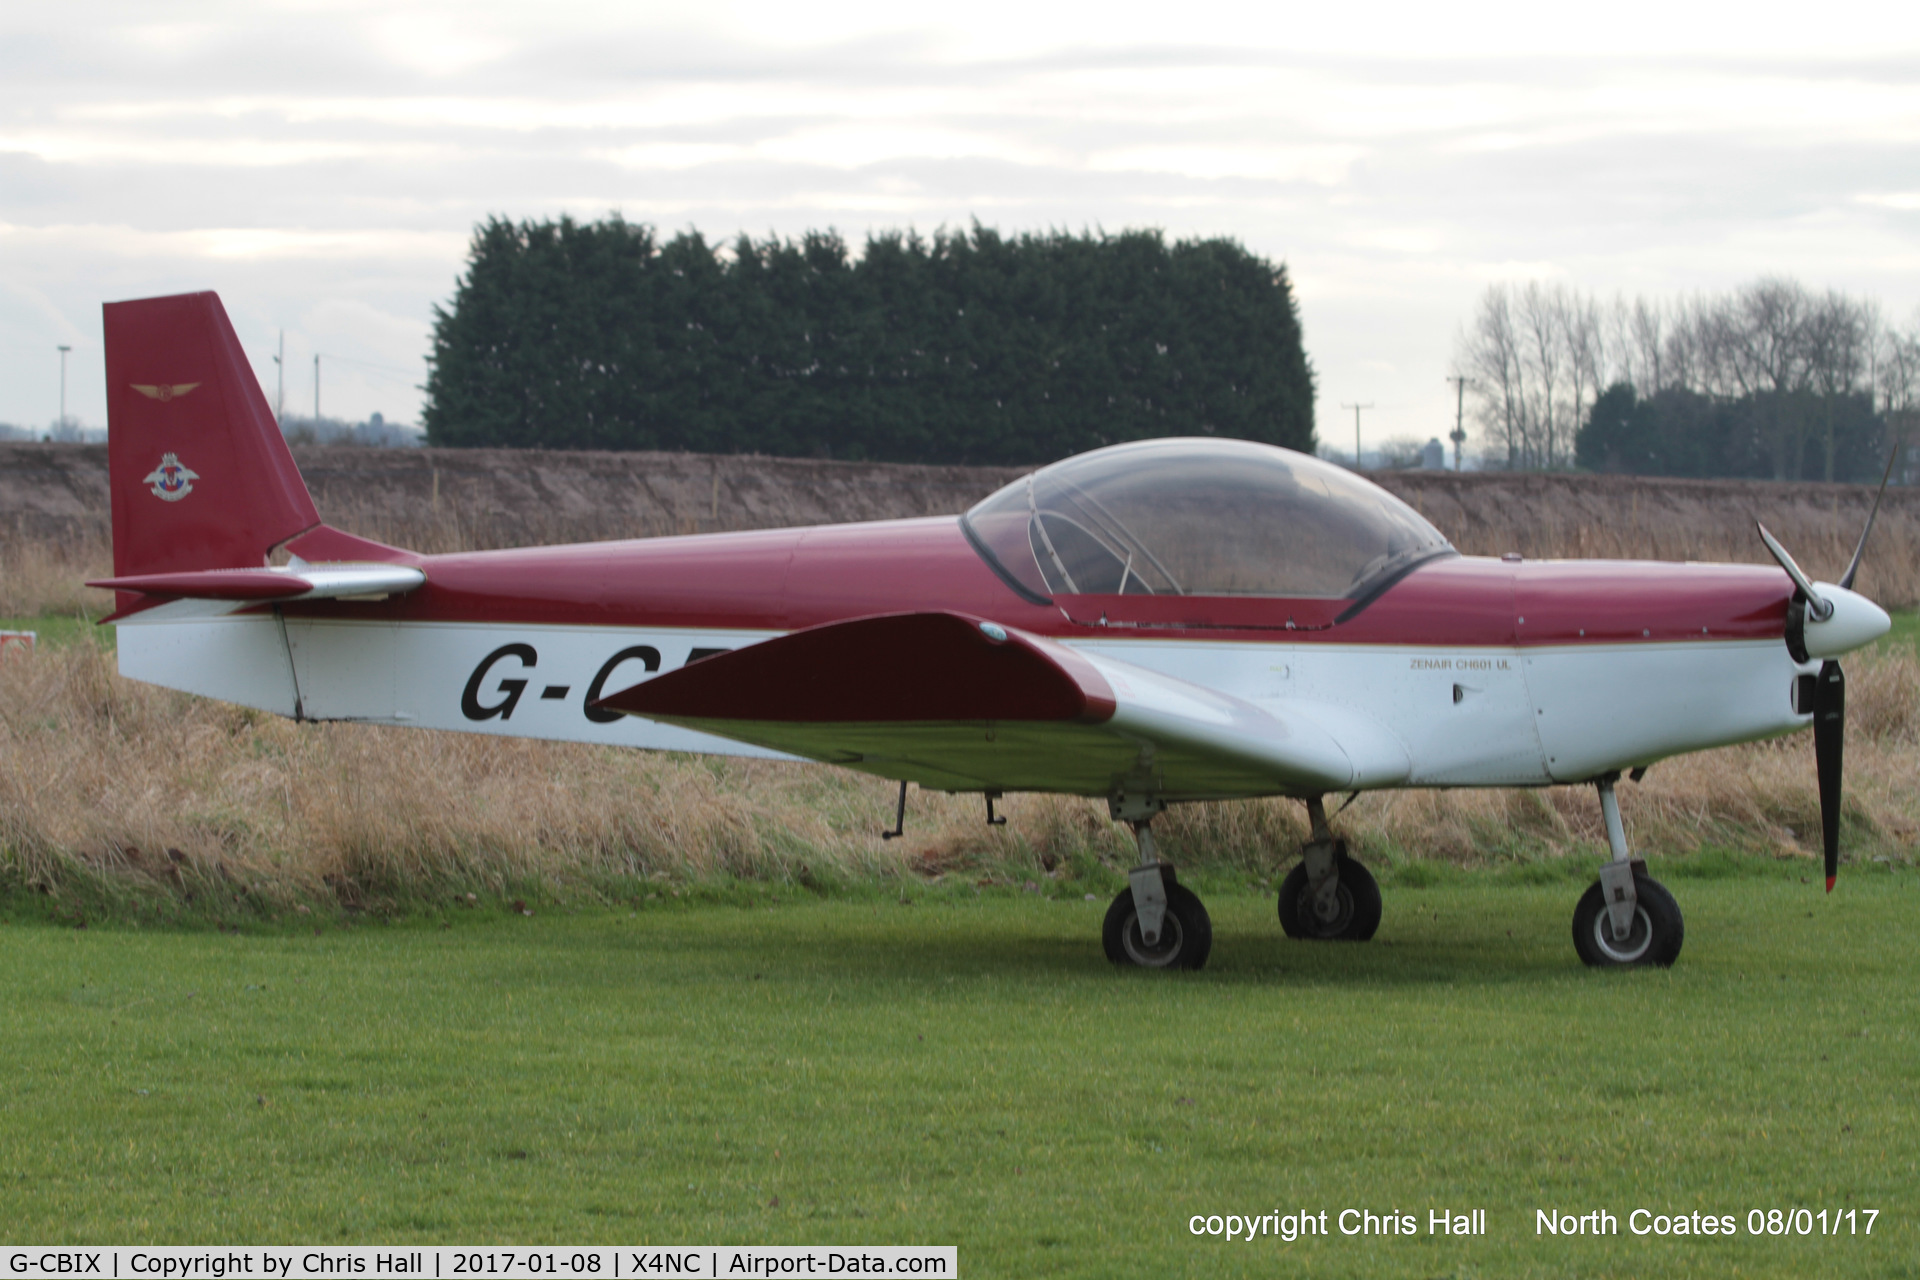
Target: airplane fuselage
pixel 1481 672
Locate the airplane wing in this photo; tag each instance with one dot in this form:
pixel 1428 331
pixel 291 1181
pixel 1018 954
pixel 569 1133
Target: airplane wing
pixel 958 703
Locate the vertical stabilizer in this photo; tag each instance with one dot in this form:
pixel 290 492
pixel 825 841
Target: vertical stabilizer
pixel 200 474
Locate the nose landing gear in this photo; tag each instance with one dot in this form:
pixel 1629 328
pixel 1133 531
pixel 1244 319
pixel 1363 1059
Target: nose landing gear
pixel 1626 917
pixel 1155 922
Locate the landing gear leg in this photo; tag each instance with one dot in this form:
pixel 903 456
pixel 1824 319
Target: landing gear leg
pixel 1154 922
pixel 1626 917
pixel 1329 896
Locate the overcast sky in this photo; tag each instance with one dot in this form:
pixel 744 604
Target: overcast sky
pixel 322 164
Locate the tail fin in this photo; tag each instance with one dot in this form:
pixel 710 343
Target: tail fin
pixel 200 474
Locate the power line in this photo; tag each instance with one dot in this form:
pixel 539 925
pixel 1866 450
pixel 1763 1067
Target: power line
pixel 364 364
pixel 368 364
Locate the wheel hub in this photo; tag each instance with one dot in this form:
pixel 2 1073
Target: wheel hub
pixel 1630 948
pixel 1331 912
pixel 1158 954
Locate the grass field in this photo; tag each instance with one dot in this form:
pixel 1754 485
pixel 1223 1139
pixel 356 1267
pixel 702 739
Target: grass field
pixel 743 1060
pixel 967 1069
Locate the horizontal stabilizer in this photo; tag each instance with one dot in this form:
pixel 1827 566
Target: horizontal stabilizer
pixel 298 582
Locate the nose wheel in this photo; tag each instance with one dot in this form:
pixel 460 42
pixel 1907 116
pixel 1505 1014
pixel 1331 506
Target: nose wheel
pixel 1155 923
pixel 1625 918
pixel 1184 939
pixel 1652 937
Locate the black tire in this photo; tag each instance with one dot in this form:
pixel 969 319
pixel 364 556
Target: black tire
pixel 1186 934
pixel 1655 938
pixel 1358 913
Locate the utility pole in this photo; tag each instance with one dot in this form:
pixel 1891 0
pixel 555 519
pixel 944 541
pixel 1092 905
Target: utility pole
pixel 1356 428
pixel 280 377
pixel 63 385
pixel 316 391
pixel 1459 433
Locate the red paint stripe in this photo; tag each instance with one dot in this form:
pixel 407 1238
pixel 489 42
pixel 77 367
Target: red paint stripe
pixel 792 579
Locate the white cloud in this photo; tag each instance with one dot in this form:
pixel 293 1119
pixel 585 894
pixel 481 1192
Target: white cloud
pixel 314 157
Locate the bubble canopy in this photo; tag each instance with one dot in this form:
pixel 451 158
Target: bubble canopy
pixel 1199 517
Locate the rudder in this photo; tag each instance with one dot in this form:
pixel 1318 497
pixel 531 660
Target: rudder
pixel 200 475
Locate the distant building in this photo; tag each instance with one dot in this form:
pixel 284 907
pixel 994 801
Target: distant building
pixel 1433 456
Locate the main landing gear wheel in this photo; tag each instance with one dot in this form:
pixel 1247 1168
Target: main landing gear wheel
pixel 1654 939
pixel 1352 916
pixel 1186 934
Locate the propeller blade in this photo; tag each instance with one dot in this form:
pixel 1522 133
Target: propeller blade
pixel 1829 733
pixel 1817 607
pixel 1860 549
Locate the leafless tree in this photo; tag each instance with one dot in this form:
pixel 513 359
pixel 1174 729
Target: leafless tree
pixel 1635 344
pixel 1588 368
pixel 1489 353
pixel 1536 356
pixel 1897 364
pixel 1838 349
pixel 1539 356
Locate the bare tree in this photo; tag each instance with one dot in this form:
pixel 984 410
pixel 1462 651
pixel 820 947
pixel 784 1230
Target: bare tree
pixel 1766 336
pixel 1542 350
pixel 1583 332
pixel 1838 348
pixel 1489 353
pixel 1897 364
pixel 1635 341
pixel 1690 345
pixel 1540 355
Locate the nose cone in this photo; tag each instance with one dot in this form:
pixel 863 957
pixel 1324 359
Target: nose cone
pixel 1855 621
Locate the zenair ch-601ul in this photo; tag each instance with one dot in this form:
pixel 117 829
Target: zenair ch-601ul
pixel 1152 623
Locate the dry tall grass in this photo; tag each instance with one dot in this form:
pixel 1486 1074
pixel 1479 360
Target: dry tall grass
pixel 53 509
pixel 127 790
pixel 46 575
pixel 108 787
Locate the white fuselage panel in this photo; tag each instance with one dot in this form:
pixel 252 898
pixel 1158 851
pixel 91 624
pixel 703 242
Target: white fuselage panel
pixel 1407 715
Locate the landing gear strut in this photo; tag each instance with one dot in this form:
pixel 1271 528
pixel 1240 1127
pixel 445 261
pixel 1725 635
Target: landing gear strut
pixel 1154 922
pixel 1329 896
pixel 1626 917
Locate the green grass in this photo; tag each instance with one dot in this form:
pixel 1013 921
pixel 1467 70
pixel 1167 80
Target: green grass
pixel 1906 630
pixel 58 630
pixel 967 1069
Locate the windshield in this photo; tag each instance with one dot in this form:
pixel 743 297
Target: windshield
pixel 1199 517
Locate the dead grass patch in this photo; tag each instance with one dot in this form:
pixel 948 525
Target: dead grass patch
pixel 110 787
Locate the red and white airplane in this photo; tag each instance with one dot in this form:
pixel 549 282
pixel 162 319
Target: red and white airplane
pixel 1152 623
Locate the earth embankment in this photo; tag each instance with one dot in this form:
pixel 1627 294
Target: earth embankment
pixel 454 499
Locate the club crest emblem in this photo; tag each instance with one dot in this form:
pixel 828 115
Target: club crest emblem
pixel 170 480
pixel 163 391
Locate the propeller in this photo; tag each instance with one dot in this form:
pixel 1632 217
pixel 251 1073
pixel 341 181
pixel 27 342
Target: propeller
pixel 1830 686
pixel 1829 736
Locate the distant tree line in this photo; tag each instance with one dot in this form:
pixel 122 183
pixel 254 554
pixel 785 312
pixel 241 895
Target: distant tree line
pixel 1769 381
pixel 375 432
pixel 966 347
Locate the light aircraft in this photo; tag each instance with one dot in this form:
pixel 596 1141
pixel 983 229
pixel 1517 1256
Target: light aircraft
pixel 1152 623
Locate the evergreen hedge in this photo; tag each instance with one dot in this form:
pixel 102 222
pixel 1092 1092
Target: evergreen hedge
pixel 968 347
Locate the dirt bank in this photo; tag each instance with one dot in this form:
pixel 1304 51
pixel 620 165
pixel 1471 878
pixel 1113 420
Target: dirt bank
pixel 447 499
